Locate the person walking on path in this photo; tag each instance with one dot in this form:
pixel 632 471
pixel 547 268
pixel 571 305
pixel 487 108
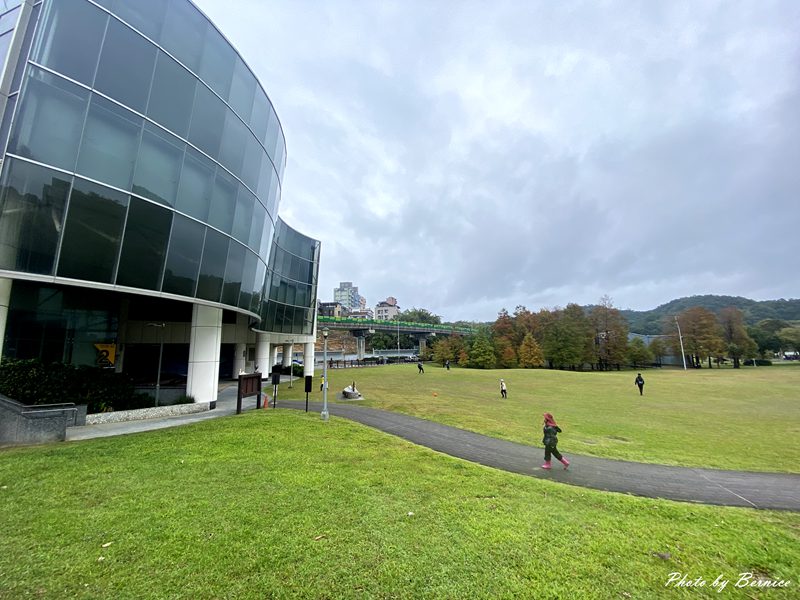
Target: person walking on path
pixel 550 441
pixel 421 370
pixel 639 381
pixel 503 389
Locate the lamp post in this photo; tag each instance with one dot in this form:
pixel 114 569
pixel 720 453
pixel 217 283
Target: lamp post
pixel 398 339
pixel 324 414
pixel 289 344
pixel 160 355
pixel 680 337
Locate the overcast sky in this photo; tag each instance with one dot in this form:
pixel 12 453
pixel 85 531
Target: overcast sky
pixel 467 156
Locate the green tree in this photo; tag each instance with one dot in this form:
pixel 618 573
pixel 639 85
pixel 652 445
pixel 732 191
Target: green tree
pixel 737 342
pixel 567 338
pixel 420 315
pixel 481 354
pixel 610 331
pixel 765 335
pixel 790 338
pixel 447 348
pixel 530 353
pixel 702 337
pixel 639 353
pixel 658 349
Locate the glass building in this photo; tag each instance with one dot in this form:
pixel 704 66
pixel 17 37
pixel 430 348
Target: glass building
pixel 142 165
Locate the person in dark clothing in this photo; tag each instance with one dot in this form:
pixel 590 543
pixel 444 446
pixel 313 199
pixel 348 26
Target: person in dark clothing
pixel 640 382
pixel 447 365
pixel 419 366
pixel 550 441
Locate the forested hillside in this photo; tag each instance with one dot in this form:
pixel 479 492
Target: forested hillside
pixel 650 321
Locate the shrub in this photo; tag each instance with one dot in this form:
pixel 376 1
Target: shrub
pixel 760 362
pixel 32 382
pixel 184 399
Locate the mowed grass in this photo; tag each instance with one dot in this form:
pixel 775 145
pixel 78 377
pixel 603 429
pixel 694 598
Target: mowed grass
pixel 278 504
pixel 745 419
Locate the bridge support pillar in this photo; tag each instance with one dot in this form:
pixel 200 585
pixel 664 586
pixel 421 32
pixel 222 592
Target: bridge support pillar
pixel 422 339
pixel 361 341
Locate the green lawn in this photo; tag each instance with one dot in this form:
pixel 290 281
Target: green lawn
pixel 278 504
pixel 745 419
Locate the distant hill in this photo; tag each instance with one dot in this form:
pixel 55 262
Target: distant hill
pixel 650 321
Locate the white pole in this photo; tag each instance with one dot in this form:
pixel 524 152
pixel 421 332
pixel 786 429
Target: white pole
pixel 680 337
pixel 324 414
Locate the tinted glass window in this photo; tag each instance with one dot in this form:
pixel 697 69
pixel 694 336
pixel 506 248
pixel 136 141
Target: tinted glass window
pixel 110 143
pixel 158 166
pixel 197 185
pixel 212 269
pixel 8 20
pixel 126 66
pixel 266 238
pixel 32 201
pixel 260 115
pixel 243 88
pixel 234 143
pixel 257 226
pixel 92 232
pixel 172 94
pixel 248 279
pixel 217 64
pixel 258 287
pixel 252 161
pixel 70 39
pixel 208 121
pixel 48 126
pixel 5 42
pixel 265 175
pixel 274 196
pixel 223 202
pixel 183 261
pixel 25 49
pixel 280 155
pixel 145 15
pixel 8 114
pixel 144 245
pixel 271 141
pixel 233 274
pixel 183 33
pixel 244 215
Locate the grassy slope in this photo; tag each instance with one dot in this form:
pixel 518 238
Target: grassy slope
pixel 745 419
pixel 279 504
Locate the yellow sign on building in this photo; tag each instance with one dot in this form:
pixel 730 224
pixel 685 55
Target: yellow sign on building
pixel 106 354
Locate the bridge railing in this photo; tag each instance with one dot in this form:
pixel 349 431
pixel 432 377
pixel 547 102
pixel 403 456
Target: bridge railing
pixel 386 325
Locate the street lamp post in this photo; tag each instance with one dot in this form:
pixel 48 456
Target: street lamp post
pixel 324 414
pixel 289 344
pixel 680 337
pixel 398 339
pixel 160 355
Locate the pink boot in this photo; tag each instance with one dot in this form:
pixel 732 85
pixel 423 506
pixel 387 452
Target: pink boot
pixel 565 462
pixel 546 465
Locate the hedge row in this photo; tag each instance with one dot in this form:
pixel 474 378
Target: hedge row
pixel 33 382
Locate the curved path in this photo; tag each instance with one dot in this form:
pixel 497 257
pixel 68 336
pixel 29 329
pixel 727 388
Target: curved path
pixel 779 491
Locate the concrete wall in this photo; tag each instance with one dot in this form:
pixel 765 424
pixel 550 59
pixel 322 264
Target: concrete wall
pixel 23 424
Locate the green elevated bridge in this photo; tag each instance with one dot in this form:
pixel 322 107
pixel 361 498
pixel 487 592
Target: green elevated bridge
pixel 361 327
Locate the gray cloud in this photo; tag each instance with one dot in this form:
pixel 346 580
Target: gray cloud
pixel 464 159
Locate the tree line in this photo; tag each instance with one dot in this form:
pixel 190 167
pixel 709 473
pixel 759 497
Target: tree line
pixel 597 337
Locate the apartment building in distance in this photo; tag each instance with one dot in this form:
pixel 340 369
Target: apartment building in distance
pixel 386 310
pixel 347 295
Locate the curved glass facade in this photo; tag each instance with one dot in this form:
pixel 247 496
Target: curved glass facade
pixel 292 288
pixel 143 154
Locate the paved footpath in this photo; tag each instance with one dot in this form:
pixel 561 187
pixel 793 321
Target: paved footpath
pixel 707 486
